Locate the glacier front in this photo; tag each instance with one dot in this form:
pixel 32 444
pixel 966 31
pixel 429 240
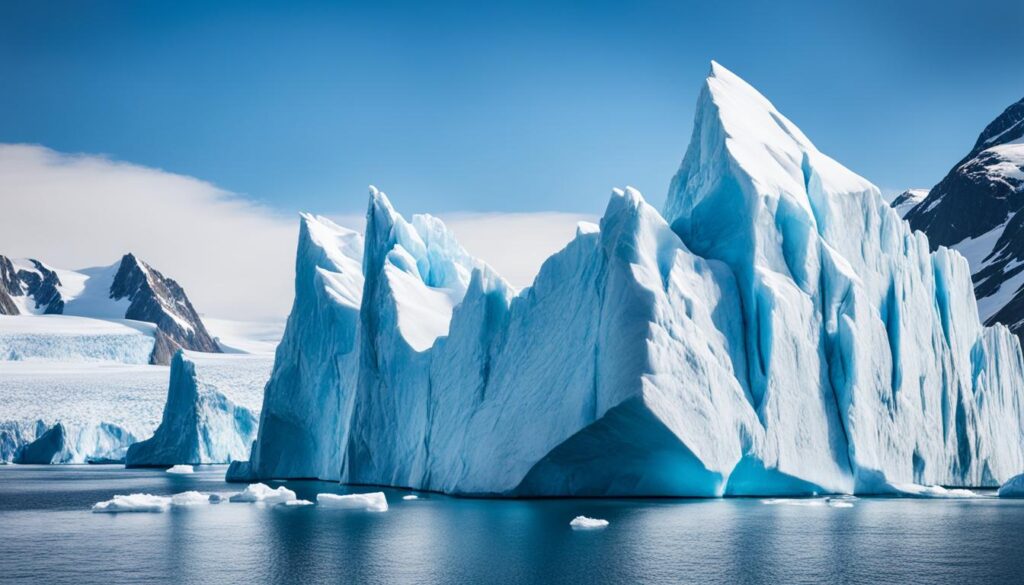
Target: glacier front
pixel 778 330
pixel 200 423
pixel 80 412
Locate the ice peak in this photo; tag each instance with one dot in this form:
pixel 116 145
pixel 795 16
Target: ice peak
pixel 739 136
pixel 379 206
pixel 628 195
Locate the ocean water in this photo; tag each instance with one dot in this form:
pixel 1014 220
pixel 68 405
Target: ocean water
pixel 49 535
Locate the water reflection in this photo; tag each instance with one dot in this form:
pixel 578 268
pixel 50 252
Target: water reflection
pixel 444 540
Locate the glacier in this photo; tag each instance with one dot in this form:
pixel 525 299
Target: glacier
pixel 103 408
pixel 76 412
pixel 777 330
pixel 75 339
pixel 200 424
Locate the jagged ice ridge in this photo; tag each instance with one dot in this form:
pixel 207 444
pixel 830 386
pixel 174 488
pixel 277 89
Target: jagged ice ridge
pixel 779 330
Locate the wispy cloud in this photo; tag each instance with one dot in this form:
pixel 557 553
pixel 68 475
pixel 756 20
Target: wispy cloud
pixel 234 257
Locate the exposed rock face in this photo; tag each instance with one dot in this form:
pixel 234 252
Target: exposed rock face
pixel 8 284
pixel 976 210
pixel 40 283
pixel 158 299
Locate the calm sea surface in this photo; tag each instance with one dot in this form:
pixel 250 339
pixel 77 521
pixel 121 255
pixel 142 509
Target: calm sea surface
pixel 49 535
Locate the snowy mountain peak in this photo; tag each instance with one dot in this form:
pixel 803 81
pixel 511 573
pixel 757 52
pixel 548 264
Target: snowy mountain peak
pixel 1007 128
pixel 976 209
pixel 155 298
pixel 128 289
pixel 906 200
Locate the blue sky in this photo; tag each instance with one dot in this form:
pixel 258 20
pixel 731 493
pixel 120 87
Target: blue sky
pixel 506 107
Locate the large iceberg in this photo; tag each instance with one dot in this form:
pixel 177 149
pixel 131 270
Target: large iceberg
pixel 779 330
pixel 309 392
pixel 200 424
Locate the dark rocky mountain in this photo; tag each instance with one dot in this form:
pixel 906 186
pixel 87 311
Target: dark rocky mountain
pixel 158 299
pixel 976 209
pixel 151 297
pixel 40 284
pixel 8 282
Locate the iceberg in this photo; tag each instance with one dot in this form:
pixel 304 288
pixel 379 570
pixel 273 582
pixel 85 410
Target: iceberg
pixel 586 523
pixel 373 502
pixel 1013 488
pixel 200 424
pixel 180 469
pixel 76 443
pixel 777 330
pixel 190 498
pixel 305 400
pixel 134 503
pixel 259 492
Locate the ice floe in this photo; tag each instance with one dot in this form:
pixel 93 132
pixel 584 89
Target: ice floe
pixel 373 502
pixel 259 492
pixel 587 523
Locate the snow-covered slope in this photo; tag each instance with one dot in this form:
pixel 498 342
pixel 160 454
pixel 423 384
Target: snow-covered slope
pixel 976 208
pixel 200 424
pixel 127 290
pixel 906 200
pixel 251 337
pixel 784 332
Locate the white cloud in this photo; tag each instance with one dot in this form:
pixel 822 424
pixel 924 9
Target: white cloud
pixel 233 257
pixel 514 244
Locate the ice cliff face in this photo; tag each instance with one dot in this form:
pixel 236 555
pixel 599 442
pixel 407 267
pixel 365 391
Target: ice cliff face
pixel 866 358
pixel 976 210
pixel 311 388
pixel 782 332
pixel 199 425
